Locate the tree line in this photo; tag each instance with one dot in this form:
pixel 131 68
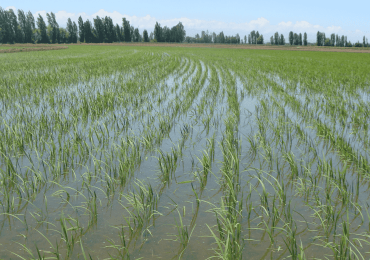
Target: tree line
pixel 338 41
pixel 24 28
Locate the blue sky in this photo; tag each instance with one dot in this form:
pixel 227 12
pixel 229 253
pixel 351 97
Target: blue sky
pixel 351 19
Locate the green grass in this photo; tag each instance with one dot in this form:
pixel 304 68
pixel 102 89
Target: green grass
pixel 192 153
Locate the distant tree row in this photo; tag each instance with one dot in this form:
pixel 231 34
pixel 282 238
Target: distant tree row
pixel 255 38
pixel 296 39
pixel 176 34
pixel 277 39
pixel 24 28
pixel 207 37
pixel 338 41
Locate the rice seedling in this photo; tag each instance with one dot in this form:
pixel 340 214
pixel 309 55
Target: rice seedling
pixel 96 140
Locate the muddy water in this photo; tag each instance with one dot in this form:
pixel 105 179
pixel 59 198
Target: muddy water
pixel 36 220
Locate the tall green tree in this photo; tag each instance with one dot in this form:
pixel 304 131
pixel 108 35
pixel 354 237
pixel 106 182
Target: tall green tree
pixel 221 37
pixel 126 30
pixel 132 29
pixel 291 38
pixel 22 24
pixel 70 30
pixel 63 38
pixel 318 38
pixel 253 37
pixel 54 27
pixel 332 39
pixel 276 38
pixel 300 41
pixel 15 34
pixel 88 35
pixel 145 36
pixel 81 29
pixel 295 39
pixel 99 29
pixel 282 40
pixel 136 35
pixel 166 34
pixel 305 39
pixel 27 25
pixel 180 32
pixel 109 31
pixel 260 39
pixel 75 32
pixel 158 32
pixel 118 33
pixel 3 26
pixel 41 25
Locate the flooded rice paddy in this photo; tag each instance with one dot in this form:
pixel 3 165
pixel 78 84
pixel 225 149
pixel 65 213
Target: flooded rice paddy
pixel 153 153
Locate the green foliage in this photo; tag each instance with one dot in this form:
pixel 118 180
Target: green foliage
pixel 42 34
pixel 145 36
pixel 126 30
pixel 53 31
pixel 291 38
pixel 81 31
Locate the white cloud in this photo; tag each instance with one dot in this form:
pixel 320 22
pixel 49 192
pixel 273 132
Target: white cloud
pixel 11 7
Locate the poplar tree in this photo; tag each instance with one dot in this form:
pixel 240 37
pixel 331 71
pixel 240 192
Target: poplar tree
pixel 75 31
pixel 30 27
pixel 70 30
pixel 132 29
pixel 54 27
pixel 276 38
pixel 295 39
pixel 136 35
pixel 109 31
pixel 282 40
pixel 145 36
pixel 158 32
pixel 99 29
pixel 332 39
pixel 318 38
pixel 300 39
pixel 305 39
pixel 22 24
pixel 3 26
pixel 41 25
pixel 88 32
pixel 126 30
pixel 291 37
pixel 81 29
pixel 180 32
pixel 118 33
pixel 15 34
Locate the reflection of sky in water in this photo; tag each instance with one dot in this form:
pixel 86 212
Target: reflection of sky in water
pixel 256 108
